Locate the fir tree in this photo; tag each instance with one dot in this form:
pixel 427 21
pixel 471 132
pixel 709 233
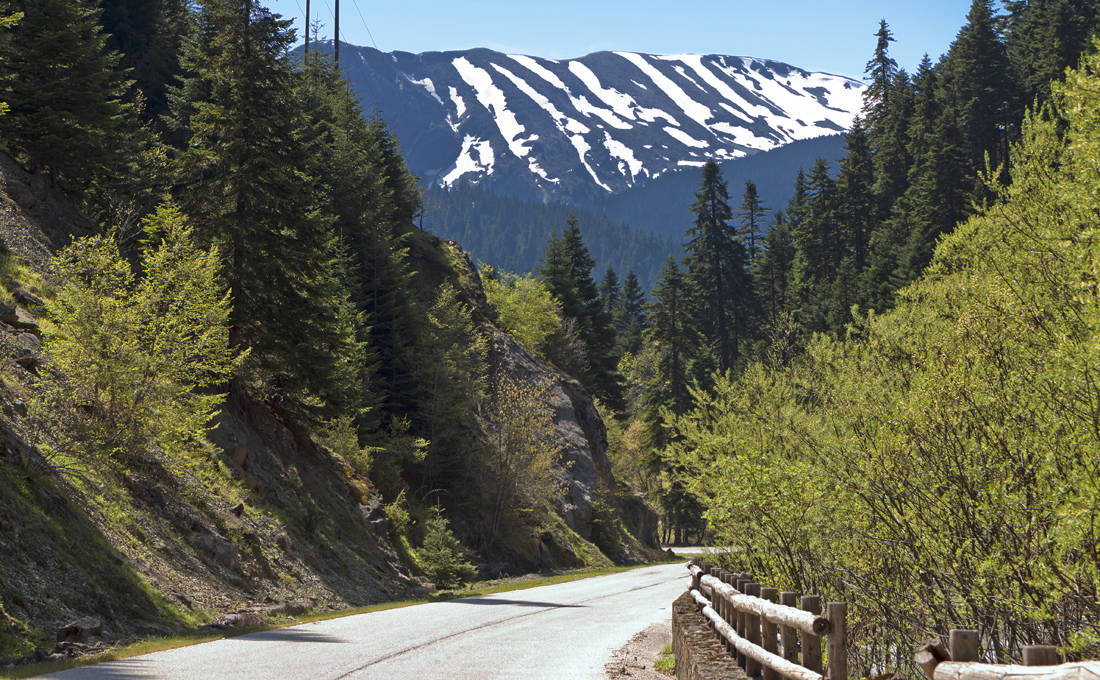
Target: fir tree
pixel 772 270
pixel 629 316
pixel 609 290
pixel 880 71
pixel 149 35
pixel 716 263
pixel 751 217
pixel 247 190
pixel 567 270
pixel 67 116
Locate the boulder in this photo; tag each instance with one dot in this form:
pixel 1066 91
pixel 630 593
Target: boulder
pixel 80 630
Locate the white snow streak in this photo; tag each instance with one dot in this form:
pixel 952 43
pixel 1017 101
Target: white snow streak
pixel 460 106
pixel 624 153
pixel 685 139
pixel 492 98
pixel 467 163
pixel 692 108
pixel 428 85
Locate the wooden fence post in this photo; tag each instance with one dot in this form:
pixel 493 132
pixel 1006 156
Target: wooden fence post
pixel 770 631
pixel 739 623
pixel 788 635
pixel 1040 655
pixel 811 644
pixel 838 640
pixel 726 609
pixel 963 645
pixel 752 668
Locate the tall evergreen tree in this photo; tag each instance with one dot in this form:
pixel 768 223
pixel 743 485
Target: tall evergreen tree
pixel 880 71
pixel 609 290
pixel 567 270
pixel 717 265
pixel 149 35
pixel 67 117
pixel 1044 38
pixel 772 270
pixel 675 331
pixel 751 216
pixel 855 197
pixel 820 247
pixel 889 140
pixel 629 316
pixel 246 188
pixel 976 88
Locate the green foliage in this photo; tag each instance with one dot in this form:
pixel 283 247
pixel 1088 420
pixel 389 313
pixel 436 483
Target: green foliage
pixel 134 364
pixel 398 515
pixel 567 270
pixel 666 663
pixel 67 114
pixel 937 468
pixel 525 309
pixel 244 184
pixel 522 462
pixel 717 263
pixel 442 556
pixel 341 437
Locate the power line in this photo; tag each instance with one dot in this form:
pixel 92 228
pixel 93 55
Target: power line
pixel 363 19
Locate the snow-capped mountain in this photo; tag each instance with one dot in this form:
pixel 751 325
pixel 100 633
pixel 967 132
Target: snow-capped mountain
pixel 580 129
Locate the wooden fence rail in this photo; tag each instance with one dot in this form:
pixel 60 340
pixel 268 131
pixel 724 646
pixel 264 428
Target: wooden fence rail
pixel 961 662
pixel 761 627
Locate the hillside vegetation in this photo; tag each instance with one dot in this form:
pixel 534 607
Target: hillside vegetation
pixel 937 466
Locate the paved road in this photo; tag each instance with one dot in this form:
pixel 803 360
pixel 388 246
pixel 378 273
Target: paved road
pixel 555 632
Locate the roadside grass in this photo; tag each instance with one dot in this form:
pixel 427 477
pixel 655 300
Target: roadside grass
pixel 666 662
pixel 160 644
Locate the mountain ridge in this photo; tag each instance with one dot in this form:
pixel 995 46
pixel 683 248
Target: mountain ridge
pixel 580 129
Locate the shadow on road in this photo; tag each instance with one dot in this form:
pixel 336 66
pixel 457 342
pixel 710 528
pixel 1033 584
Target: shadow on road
pixel 126 669
pixel 518 603
pixel 288 635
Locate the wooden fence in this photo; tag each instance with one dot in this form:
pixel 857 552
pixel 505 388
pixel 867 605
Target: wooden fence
pixel 961 662
pixel 770 636
pixel 766 632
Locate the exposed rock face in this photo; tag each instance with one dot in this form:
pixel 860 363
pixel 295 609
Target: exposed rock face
pixel 580 430
pixel 35 220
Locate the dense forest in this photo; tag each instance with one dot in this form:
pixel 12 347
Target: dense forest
pixel 511 234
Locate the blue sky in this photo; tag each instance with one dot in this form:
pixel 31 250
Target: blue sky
pixel 837 37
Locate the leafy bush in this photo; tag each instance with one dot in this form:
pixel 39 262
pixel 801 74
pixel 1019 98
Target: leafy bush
pixel 135 363
pixel 525 309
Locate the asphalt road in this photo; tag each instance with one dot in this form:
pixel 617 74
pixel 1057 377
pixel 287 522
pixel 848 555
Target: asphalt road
pixel 555 632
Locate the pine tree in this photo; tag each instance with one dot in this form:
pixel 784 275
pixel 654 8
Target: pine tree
pixel 772 270
pixel 629 316
pixel 889 140
pixel 976 88
pixel 751 217
pixel 149 35
pixel 673 328
pixel 246 188
pixel 67 112
pixel 880 71
pixel 347 155
pixel 717 265
pixel 609 290
pixel 820 248
pixel 1044 38
pixel 855 197
pixel 567 270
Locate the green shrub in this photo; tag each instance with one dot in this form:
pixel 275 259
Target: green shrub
pixel 442 556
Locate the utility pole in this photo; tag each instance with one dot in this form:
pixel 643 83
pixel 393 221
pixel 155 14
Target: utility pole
pixel 336 43
pixel 307 28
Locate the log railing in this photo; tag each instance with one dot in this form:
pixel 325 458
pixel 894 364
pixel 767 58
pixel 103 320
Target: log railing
pixel 962 662
pixel 761 627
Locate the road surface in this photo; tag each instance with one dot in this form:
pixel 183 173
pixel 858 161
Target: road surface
pixel 555 632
